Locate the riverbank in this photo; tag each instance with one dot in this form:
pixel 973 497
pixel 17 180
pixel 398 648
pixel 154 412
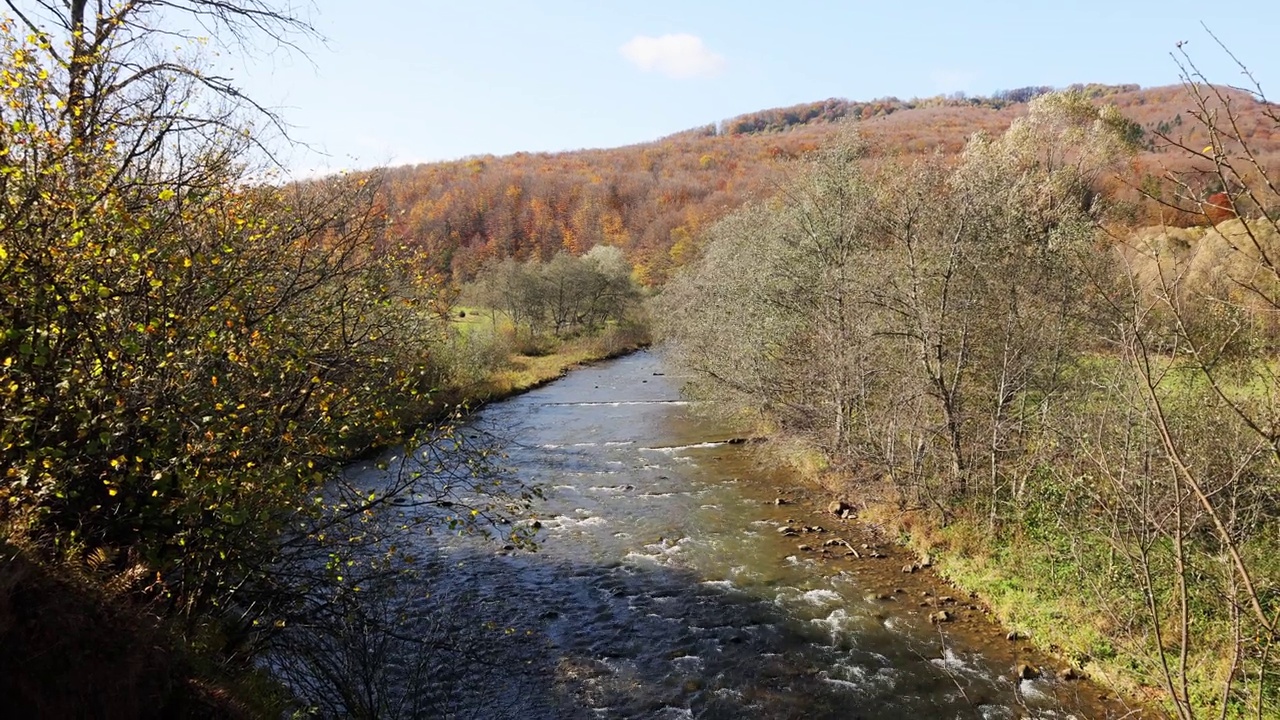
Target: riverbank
pixel 1025 585
pixel 858 538
pixel 522 373
pixel 76 636
pixel 1033 585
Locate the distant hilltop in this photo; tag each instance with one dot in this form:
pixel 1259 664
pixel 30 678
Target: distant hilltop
pixel 835 109
pixel 653 199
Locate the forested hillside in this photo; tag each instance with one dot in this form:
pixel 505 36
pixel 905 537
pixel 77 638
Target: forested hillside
pixel 653 199
pixel 1076 419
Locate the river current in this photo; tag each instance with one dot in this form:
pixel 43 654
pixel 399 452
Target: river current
pixel 666 585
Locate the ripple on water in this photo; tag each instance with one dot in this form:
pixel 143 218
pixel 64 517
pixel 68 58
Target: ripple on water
pixel 821 597
pixel 996 712
pixel 611 489
pixel 624 603
pixel 561 523
pixel 864 681
pixel 660 553
pixel 838 623
pixel 797 561
pixel 841 683
pixel 673 449
pixel 688 663
pixel 1035 691
pixel 619 403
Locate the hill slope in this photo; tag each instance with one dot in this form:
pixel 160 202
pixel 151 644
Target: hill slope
pixel 652 199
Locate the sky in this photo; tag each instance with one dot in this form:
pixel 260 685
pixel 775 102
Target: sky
pixel 402 81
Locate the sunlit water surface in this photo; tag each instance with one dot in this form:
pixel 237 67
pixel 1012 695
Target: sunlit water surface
pixel 662 587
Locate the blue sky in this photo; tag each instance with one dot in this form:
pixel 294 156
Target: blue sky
pixel 400 81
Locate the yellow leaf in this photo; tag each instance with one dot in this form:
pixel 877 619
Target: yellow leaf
pixel 1208 148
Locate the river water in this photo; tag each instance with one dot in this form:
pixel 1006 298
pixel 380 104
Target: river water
pixel 664 588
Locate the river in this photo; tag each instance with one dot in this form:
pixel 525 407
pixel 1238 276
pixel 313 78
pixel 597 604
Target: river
pixel 664 585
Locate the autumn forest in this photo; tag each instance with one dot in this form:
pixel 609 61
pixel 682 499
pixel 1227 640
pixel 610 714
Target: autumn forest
pixel 653 200
pixel 1026 340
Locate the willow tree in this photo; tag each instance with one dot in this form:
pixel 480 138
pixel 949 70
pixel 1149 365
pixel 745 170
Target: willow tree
pixel 771 318
pixel 905 317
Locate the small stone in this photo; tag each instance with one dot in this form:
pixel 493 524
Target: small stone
pixel 838 508
pixel 866 546
pixel 1069 673
pixel 908 569
pixel 1025 671
pixel 942 616
pixel 848 515
pixel 872 597
pixel 899 591
pixel 834 541
pixel 781 501
pixel 946 599
pixel 926 560
pixel 805 548
pixel 1015 636
pixel 787 530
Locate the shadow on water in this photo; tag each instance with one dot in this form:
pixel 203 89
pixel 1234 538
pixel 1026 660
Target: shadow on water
pixel 663 587
pixel 647 642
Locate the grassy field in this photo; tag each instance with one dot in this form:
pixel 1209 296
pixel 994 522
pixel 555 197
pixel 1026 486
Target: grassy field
pixel 1054 569
pixel 514 362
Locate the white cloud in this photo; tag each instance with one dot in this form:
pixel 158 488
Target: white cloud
pixel 677 56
